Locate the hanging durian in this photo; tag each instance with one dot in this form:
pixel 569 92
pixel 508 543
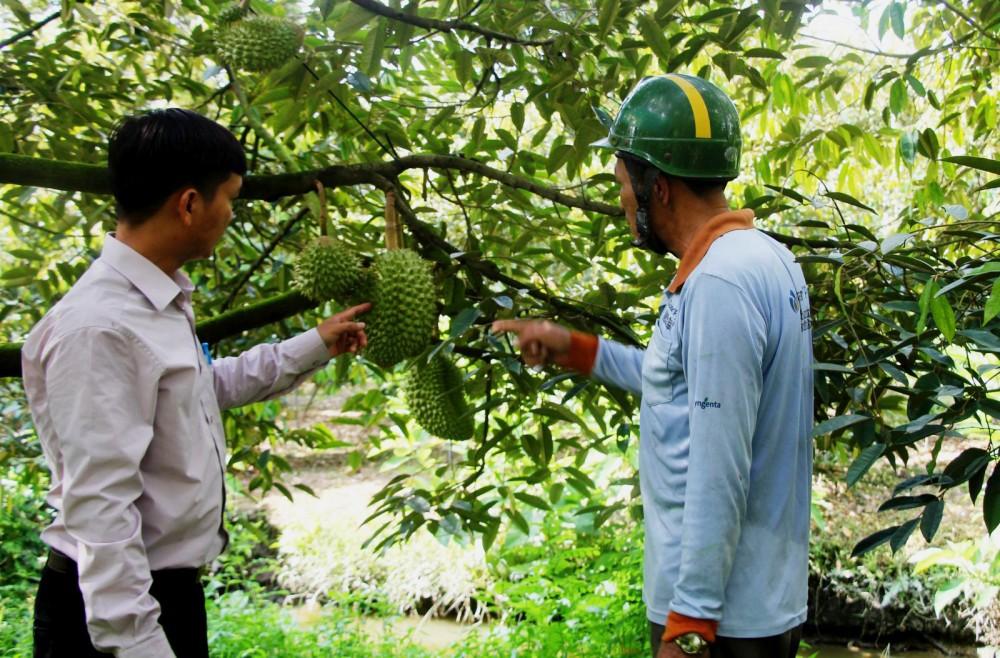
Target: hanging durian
pixel 258 43
pixel 404 307
pixel 231 13
pixel 328 269
pixel 435 393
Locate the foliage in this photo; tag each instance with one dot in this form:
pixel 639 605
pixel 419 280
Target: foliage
pixel 969 577
pixel 572 593
pixel 23 514
pixel 523 222
pixel 329 560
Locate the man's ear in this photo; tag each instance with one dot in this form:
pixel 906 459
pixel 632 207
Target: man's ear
pixel 186 201
pixel 661 190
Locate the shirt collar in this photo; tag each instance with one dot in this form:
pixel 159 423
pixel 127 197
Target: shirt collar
pixel 149 279
pixel 732 220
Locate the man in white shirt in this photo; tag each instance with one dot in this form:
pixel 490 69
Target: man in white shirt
pixel 127 403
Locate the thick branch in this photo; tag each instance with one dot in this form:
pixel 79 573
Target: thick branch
pixel 211 331
pixel 75 177
pixel 444 26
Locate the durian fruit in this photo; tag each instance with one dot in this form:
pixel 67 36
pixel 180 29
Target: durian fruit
pixel 231 13
pixel 328 269
pixel 258 43
pixel 404 307
pixel 435 394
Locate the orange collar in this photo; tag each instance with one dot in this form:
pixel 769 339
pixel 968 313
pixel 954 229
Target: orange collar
pixel 733 220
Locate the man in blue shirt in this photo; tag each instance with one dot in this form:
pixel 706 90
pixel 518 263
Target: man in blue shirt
pixel 726 384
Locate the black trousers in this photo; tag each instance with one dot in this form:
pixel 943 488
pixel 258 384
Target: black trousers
pixel 785 645
pixel 60 628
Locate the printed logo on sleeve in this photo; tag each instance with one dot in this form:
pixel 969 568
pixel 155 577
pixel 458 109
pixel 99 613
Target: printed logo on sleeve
pixel 707 404
pixel 799 301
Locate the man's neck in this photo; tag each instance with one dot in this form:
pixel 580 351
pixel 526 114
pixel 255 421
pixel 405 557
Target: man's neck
pixel 687 218
pixel 151 243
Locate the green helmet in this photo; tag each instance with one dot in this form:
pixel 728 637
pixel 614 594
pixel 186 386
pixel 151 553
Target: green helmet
pixel 680 124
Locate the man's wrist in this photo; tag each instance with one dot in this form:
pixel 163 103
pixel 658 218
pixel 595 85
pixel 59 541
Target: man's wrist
pixel 582 353
pixel 678 624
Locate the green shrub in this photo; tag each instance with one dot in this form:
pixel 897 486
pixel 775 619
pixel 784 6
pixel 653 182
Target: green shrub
pixel 23 515
pixel 574 594
pixel 240 627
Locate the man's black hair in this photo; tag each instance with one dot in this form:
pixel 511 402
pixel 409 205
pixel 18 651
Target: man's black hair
pixel 152 155
pixel 704 186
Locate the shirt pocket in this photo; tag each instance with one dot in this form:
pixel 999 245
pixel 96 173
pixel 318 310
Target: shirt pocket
pixel 659 375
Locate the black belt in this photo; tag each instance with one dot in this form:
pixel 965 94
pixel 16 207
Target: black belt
pixel 61 563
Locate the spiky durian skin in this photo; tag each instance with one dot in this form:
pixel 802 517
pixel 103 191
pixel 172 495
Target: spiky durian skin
pixel 231 13
pixel 404 307
pixel 328 269
pixel 435 393
pixel 258 43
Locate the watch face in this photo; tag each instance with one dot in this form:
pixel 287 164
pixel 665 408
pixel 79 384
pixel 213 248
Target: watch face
pixel 691 643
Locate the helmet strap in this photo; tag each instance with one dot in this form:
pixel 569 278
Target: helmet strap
pixel 643 177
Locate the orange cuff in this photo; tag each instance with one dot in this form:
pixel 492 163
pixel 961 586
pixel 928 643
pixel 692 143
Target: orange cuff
pixel 678 624
pixel 582 353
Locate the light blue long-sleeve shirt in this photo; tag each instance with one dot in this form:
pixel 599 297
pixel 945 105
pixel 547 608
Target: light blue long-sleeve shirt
pixel 725 458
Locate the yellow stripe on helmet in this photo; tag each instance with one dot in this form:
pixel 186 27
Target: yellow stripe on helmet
pixel 702 125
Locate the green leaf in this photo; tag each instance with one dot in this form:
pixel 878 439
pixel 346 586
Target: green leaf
pixel 653 35
pixel 908 146
pixel 873 541
pixel 916 85
pixel 992 307
pixel 465 319
pixel 897 11
pixel 930 520
pixel 533 501
pixel 983 164
pixel 902 534
pixel 966 465
pixel 814 62
pixel 907 502
pixel 838 423
pixel 602 116
pixel 926 296
pixel 944 316
pixel 864 462
pixel 928 145
pixel 848 199
pixel 606 17
pixel 763 52
pixel 991 501
pixel 897 97
pixel 894 241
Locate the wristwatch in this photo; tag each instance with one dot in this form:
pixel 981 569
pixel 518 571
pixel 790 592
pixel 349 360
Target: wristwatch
pixel 691 644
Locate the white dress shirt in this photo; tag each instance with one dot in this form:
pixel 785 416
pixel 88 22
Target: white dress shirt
pixel 127 409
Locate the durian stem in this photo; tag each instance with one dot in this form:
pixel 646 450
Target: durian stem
pixel 279 149
pixel 324 217
pixel 393 229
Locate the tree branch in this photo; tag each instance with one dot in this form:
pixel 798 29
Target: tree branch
pixel 444 26
pixel 927 52
pixel 31 30
pixel 75 177
pixel 965 17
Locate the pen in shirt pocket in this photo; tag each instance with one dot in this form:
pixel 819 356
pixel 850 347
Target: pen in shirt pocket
pixel 207 353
